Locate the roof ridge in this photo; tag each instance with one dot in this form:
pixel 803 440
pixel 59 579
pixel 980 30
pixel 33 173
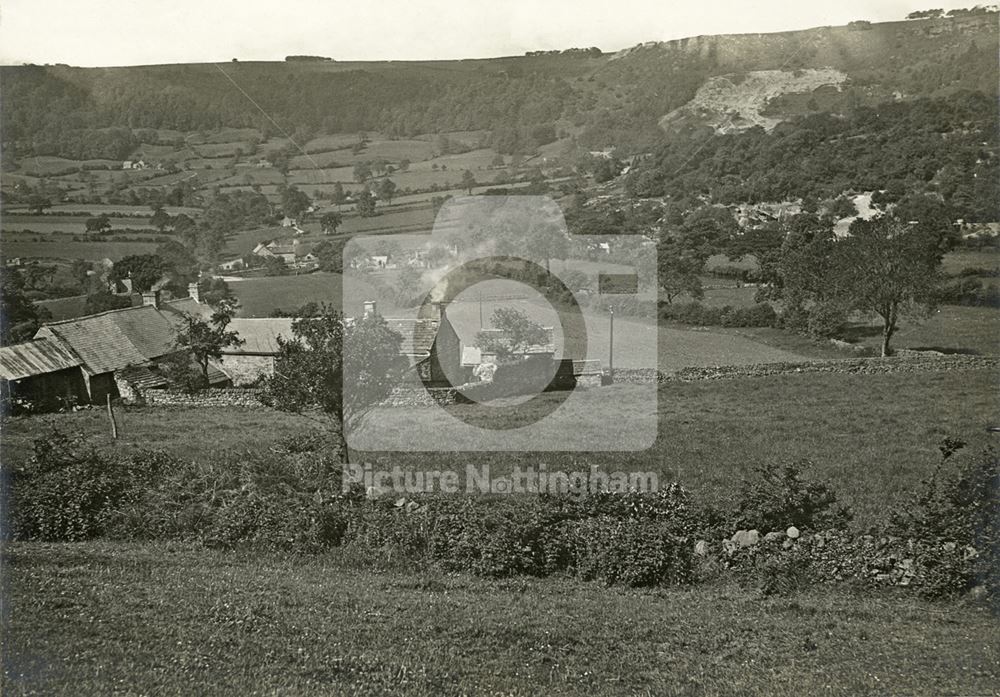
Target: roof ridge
pixel 97 314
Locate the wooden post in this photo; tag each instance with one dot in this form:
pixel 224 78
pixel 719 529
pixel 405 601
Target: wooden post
pixel 611 347
pixel 111 416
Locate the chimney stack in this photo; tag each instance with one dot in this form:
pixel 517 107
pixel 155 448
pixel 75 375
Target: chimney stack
pixel 369 308
pixel 151 298
pixel 194 292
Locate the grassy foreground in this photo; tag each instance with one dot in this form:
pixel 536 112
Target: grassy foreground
pixel 102 618
pixel 873 437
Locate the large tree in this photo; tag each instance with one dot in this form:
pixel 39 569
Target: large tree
pixel 341 368
pixel 887 267
pixel 329 222
pixel 365 203
pixel 386 189
pixel 143 269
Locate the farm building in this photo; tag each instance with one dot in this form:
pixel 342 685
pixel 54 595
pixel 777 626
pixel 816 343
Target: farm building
pixel 118 349
pixel 43 372
pixel 430 344
pixel 292 252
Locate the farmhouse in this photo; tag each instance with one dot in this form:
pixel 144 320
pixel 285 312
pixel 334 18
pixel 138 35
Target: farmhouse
pixel 118 350
pixel 431 344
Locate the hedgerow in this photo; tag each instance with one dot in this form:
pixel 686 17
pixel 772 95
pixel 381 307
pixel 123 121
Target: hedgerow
pixel 789 530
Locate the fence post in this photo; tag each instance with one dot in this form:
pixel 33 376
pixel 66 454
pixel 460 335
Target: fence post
pixel 111 416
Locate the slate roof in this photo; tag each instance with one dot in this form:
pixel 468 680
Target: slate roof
pixel 418 335
pixel 35 358
pixel 260 335
pixel 117 339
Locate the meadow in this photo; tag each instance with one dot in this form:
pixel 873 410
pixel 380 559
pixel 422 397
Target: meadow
pixel 104 618
pixel 873 437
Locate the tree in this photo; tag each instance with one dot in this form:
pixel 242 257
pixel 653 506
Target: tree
pixel 404 164
pixel 887 267
pixel 338 196
pixel 143 269
pixel 514 333
pixel 160 219
pixel 177 257
pixel 103 301
pixel 275 266
pixel 342 368
pixel 294 202
pixel 678 271
pixel 386 189
pixel 100 223
pixel 330 222
pixel 215 292
pixel 80 270
pixel 19 317
pixel 365 204
pixel 204 340
pixel 38 203
pixel 186 229
pixel 468 181
pixel 362 172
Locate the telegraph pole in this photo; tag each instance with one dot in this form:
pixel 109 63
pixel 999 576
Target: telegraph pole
pixel 611 347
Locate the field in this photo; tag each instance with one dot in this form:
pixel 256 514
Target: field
pixel 874 437
pixel 41 247
pixel 951 329
pixel 171 619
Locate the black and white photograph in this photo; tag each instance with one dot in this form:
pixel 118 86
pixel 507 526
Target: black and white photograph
pixel 499 348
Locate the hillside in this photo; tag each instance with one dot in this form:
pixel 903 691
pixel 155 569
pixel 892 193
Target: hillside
pixel 601 100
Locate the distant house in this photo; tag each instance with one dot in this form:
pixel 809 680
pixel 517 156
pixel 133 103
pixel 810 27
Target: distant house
pixel 127 164
pixel 232 265
pixel 291 252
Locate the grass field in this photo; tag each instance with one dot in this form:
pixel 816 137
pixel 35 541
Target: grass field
pixel 874 437
pixel 171 619
pixel 56 248
pixel 951 329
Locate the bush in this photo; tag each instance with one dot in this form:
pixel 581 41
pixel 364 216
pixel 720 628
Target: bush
pixel 777 497
pixel 967 290
pixel 956 518
pixel 630 552
pixel 759 315
pixel 69 491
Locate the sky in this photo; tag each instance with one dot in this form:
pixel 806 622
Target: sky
pixel 139 32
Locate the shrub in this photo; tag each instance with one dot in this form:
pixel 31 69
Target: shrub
pixel 631 552
pixel 69 491
pixel 956 518
pixel 777 497
pixel 759 315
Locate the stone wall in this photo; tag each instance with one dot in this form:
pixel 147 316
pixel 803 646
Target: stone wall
pixel 230 397
pixel 863 366
pixel 421 397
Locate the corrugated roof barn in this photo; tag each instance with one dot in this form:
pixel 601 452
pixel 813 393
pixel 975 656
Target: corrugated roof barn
pixel 20 361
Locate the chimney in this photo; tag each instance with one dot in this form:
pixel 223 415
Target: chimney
pixel 194 293
pixel 151 298
pixel 369 308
